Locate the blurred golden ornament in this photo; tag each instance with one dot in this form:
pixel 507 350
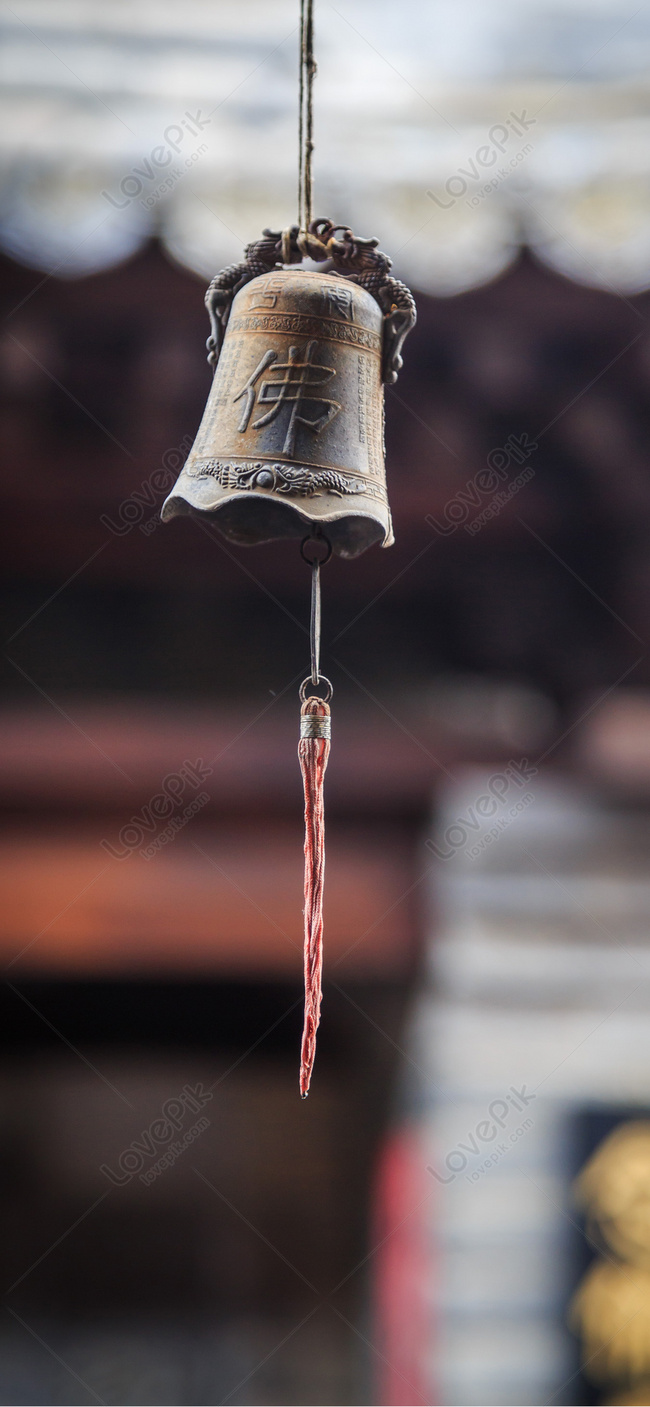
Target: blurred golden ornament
pixel 614 1188
pixel 611 1311
pixel 637 1396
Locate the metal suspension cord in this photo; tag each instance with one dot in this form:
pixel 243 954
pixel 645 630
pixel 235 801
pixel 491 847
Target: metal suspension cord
pixel 315 539
pixel 314 624
pixel 305 117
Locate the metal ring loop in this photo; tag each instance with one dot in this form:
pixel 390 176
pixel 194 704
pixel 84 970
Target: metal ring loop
pixel 322 679
pixel 315 561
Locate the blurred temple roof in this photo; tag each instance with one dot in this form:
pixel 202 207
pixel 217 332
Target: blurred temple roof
pixel 455 131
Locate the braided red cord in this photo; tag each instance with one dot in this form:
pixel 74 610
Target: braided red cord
pixel 313 754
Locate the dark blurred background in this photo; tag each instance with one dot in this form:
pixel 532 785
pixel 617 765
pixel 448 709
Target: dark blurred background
pixel 265 1262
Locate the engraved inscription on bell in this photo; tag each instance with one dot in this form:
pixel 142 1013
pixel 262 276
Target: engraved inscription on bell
pixel 293 383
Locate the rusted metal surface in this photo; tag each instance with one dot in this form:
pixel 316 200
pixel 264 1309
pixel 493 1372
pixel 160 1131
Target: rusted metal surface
pixel 293 431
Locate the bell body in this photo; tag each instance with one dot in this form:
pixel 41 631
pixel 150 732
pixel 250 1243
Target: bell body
pixel 293 431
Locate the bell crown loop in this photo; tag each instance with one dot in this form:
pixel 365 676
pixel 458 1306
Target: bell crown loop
pixel 357 259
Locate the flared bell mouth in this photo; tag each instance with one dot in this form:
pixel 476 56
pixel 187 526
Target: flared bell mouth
pixel 250 517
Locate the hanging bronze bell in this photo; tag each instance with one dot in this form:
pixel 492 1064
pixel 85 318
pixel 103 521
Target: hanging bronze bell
pixel 293 431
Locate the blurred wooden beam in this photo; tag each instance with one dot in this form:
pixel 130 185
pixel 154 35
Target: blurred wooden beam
pixel 211 902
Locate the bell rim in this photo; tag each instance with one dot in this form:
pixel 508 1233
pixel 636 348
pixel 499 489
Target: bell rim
pixel 296 519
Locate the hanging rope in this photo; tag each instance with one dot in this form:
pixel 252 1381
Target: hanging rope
pixel 305 116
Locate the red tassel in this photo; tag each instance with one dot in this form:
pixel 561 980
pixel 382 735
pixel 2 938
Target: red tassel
pixel 313 752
